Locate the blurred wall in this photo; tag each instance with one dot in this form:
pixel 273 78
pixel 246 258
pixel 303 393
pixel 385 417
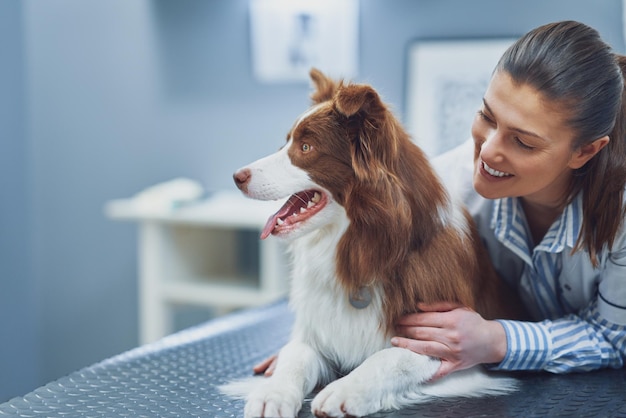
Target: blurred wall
pixel 19 341
pixel 101 99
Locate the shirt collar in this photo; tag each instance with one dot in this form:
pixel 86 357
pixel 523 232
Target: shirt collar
pixel 510 227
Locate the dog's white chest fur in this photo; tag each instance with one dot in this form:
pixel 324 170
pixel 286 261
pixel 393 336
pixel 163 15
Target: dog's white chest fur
pixel 325 318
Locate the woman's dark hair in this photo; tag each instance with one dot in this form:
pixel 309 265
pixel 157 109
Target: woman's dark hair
pixel 570 65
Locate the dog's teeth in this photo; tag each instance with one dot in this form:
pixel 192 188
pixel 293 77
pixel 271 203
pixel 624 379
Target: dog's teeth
pixel 316 198
pixel 302 210
pixel 279 221
pixel 310 204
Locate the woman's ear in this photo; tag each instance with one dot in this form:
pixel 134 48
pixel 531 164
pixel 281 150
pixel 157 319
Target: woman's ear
pixel 587 152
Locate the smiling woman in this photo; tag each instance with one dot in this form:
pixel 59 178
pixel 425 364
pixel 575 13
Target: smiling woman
pixel 525 146
pixel 548 177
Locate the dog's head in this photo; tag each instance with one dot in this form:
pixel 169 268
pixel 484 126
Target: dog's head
pixel 310 169
pixel 347 156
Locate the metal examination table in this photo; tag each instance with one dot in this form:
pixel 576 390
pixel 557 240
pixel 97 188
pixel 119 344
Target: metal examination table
pixel 177 377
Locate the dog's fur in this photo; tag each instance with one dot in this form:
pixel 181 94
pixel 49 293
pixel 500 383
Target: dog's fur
pixel 381 221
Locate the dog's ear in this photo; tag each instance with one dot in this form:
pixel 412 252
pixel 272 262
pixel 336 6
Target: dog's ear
pixel 325 87
pixel 356 98
pixel 376 203
pixel 370 129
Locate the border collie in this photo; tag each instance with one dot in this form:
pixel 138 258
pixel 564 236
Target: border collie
pixel 372 232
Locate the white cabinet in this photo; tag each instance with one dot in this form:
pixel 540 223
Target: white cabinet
pixel 206 253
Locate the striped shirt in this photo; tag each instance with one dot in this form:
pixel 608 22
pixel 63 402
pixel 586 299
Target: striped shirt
pixel 570 337
pixel 579 311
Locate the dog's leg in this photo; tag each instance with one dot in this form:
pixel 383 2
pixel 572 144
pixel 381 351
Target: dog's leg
pixel 297 372
pixel 390 378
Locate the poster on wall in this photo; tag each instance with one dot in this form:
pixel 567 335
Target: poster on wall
pixel 289 37
pixel 446 81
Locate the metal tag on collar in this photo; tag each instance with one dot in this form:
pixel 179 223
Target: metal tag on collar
pixel 361 298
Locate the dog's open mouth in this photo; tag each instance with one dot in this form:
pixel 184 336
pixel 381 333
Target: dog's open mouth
pixel 300 207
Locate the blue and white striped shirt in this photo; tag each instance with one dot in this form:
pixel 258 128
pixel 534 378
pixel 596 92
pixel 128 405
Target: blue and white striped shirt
pixel 580 311
pixel 571 336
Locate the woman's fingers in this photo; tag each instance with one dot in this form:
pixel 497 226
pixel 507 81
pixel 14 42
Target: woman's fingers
pixel 427 348
pixel 438 306
pixel 267 366
pixel 431 349
pixel 435 318
pixel 423 333
pixel 272 367
pixel 445 369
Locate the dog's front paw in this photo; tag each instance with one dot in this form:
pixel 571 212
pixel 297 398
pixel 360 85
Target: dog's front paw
pixel 345 397
pixel 271 400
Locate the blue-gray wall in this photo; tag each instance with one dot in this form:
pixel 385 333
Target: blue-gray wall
pixel 19 332
pixel 99 99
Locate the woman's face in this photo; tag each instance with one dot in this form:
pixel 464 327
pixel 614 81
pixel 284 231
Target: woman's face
pixel 522 145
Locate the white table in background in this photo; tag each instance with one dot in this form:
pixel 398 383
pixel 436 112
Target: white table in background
pixel 198 254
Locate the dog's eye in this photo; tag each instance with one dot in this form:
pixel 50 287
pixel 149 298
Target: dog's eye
pixel 306 147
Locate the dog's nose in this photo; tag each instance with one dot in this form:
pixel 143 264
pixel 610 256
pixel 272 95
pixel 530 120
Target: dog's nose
pixel 242 177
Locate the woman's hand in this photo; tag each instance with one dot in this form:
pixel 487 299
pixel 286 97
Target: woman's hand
pixel 457 335
pixel 267 366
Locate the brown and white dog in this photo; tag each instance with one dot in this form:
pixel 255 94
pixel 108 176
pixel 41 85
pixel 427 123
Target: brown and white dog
pixel 372 232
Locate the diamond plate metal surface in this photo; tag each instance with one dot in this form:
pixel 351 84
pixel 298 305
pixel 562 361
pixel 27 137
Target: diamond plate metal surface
pixel 178 376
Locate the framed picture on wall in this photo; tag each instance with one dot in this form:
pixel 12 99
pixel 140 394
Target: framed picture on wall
pixel 446 80
pixel 289 37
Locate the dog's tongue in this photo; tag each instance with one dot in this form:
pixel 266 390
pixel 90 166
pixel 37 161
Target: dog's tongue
pixel 271 222
pixel 269 226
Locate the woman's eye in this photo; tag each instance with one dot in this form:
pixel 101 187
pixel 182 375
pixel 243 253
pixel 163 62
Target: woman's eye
pixel 484 117
pixel 522 144
pixel 306 147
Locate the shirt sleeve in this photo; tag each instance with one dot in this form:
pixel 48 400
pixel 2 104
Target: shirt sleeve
pixel 583 342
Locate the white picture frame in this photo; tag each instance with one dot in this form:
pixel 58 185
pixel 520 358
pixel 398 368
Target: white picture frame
pixel 446 80
pixel 288 37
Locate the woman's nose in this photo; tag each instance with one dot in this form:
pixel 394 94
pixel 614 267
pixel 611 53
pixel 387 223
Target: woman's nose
pixel 491 147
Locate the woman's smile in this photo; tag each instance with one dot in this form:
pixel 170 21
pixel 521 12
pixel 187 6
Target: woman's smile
pixel 492 172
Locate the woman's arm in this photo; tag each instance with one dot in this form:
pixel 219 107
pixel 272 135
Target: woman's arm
pixel 574 343
pixel 462 339
pixel 594 338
